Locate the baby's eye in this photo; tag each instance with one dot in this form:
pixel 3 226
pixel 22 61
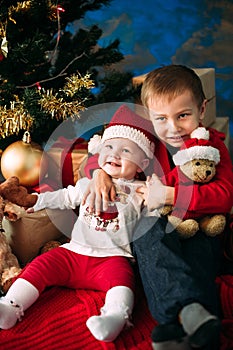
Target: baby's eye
pixel 108 146
pixel 125 150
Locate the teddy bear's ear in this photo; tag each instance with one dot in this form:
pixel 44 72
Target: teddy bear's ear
pixel 13 180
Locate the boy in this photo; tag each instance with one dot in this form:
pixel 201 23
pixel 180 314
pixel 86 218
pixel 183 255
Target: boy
pixel 97 257
pixel 178 276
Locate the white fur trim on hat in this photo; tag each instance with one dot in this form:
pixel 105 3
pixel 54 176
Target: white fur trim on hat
pixel 94 144
pixel 196 152
pixel 200 133
pixel 126 132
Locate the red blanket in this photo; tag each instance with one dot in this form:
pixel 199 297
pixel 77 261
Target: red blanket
pixel 57 321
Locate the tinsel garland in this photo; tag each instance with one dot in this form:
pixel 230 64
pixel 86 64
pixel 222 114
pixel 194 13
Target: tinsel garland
pixel 17 118
pixel 58 105
pixel 14 119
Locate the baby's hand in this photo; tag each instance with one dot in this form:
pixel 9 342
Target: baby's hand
pixel 30 211
pixel 155 196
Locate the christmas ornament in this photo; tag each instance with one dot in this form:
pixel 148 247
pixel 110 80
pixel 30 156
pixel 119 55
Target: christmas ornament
pixel 26 160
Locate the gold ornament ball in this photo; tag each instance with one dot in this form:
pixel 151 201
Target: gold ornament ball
pixel 26 160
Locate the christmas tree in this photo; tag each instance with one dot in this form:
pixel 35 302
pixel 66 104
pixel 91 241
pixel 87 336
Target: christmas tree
pixel 47 72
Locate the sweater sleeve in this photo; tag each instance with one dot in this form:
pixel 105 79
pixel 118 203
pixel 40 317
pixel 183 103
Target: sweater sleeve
pixel 65 198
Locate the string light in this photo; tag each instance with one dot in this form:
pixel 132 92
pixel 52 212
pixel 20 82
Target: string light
pixel 60 9
pixel 38 86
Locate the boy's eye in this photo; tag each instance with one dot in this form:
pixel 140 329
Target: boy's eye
pixel 184 115
pixel 157 118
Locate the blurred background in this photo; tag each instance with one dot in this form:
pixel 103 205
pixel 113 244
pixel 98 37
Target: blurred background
pixel 152 33
pixel 56 60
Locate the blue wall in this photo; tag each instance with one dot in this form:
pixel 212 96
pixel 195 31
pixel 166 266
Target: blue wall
pixel 155 32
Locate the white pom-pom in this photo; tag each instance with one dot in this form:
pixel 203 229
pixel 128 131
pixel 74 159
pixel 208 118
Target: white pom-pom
pixel 200 133
pixel 94 144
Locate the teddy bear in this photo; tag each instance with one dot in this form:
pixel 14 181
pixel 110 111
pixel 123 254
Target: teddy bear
pixel 10 193
pixel 9 265
pixel 195 163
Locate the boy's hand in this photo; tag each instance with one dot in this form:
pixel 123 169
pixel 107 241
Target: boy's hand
pixel 101 190
pixel 156 192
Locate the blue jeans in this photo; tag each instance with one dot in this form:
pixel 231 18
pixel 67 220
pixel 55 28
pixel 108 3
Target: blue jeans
pixel 176 272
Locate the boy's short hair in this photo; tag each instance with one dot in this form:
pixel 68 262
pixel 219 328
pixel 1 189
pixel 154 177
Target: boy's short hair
pixel 171 81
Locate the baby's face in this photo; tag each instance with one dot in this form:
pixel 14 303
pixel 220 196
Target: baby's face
pixel 122 158
pixel 175 119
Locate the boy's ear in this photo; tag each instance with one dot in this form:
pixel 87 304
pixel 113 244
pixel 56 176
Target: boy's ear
pixel 203 109
pixel 144 164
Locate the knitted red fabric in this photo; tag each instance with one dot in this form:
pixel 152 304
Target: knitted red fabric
pixel 58 321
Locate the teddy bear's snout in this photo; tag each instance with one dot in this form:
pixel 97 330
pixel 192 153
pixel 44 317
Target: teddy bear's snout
pixel 208 172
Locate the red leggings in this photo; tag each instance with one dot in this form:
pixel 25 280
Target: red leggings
pixel 62 267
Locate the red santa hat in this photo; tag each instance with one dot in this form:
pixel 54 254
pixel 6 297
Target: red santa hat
pixel 126 124
pixel 197 147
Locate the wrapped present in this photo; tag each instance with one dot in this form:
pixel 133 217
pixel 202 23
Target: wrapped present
pixel 31 232
pixel 65 160
pixel 207 76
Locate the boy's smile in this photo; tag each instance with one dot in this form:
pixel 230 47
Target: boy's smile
pixel 175 118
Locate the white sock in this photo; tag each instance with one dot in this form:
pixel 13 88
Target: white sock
pixel 193 316
pixel 114 315
pixel 20 296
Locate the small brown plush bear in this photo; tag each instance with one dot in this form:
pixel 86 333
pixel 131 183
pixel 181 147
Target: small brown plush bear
pixel 9 265
pixel 195 162
pixel 11 192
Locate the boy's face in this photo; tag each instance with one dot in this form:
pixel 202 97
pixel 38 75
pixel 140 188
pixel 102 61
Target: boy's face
pixel 175 119
pixel 122 158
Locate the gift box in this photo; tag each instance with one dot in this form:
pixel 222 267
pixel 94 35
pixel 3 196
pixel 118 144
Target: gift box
pixel 65 160
pixel 30 232
pixel 222 124
pixel 207 76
